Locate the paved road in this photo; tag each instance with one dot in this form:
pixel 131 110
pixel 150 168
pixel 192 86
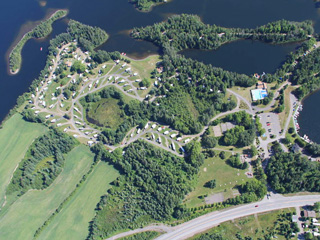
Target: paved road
pixel 205 222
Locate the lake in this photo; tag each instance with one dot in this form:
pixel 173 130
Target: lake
pixel 117 17
pixel 309 117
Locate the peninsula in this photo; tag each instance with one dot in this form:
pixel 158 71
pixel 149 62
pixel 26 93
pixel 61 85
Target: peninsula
pixel 42 30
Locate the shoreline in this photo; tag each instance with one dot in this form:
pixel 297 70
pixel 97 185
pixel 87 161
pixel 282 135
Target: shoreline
pixel 298 111
pixel 18 39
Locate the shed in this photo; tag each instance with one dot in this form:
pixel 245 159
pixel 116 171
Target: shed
pixel 295 218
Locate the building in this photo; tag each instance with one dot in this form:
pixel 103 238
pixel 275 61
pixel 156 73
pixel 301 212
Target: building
pixel 260 92
pixel 295 218
pixel 69 64
pixel 309 214
pixel 261 85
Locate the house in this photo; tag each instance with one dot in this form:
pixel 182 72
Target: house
pixel 261 85
pixel 69 64
pixel 309 214
pixel 160 69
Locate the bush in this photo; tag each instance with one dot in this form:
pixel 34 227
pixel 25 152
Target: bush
pixel 210 184
pixel 222 155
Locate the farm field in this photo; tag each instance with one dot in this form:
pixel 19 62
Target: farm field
pixel 15 138
pixel 215 168
pixel 37 205
pixel 73 220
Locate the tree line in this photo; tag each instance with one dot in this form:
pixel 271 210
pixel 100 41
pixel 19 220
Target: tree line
pixel 42 163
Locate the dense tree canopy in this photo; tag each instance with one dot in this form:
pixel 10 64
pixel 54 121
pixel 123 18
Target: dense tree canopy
pixel 289 172
pixel 188 31
pixel 89 37
pixel 153 183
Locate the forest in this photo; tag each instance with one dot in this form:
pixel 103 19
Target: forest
pixel 189 32
pixel 243 133
pixel 152 185
pixel 201 89
pixel 40 31
pixel 87 36
pixel 289 173
pixel 42 163
pixel 306 74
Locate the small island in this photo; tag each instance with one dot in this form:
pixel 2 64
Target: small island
pixel 40 31
pixel 146 5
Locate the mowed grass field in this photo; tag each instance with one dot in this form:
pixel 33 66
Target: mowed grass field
pixel 15 138
pixel 145 66
pixel 226 178
pixel 73 220
pixel 29 212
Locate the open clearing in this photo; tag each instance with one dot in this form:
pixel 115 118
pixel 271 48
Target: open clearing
pixel 73 220
pixel 215 168
pixel 15 139
pixel 106 113
pixel 145 66
pixel 30 211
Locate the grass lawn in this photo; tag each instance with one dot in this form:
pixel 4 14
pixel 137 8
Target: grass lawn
pixel 215 168
pixel 283 116
pixel 73 221
pixel 106 112
pixel 15 138
pixel 244 92
pixel 29 212
pixel 256 226
pixel 243 105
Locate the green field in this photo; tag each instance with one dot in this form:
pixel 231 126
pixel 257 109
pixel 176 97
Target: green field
pixel 15 139
pixel 29 212
pixel 253 226
pixel 145 66
pixel 215 168
pixel 106 113
pixel 73 220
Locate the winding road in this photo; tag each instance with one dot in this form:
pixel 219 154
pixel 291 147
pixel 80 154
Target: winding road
pixel 205 222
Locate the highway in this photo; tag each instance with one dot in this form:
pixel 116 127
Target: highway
pixel 205 222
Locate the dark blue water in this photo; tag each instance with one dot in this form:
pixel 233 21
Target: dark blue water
pixel 244 56
pixel 309 117
pixel 117 17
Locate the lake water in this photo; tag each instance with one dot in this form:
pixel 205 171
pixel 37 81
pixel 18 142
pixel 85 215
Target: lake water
pixel 244 56
pixel 309 117
pixel 117 17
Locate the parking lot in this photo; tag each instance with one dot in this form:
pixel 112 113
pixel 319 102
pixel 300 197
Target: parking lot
pixel 270 121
